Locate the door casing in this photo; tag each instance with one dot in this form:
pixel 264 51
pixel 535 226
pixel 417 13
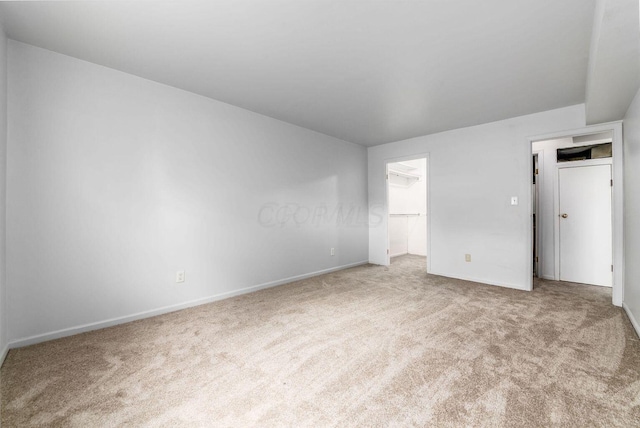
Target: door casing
pixel 617 199
pixel 386 208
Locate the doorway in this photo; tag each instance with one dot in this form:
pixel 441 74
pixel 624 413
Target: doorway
pixel 407 208
pixel 576 208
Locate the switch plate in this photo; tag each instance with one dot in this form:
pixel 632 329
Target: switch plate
pixel 467 257
pixel 180 276
pixel 514 200
pixel 333 251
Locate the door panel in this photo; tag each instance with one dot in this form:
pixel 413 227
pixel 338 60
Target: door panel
pixel 585 224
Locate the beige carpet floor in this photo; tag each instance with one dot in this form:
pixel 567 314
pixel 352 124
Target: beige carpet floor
pixel 368 346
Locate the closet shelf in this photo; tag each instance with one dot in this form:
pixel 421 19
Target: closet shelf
pixel 406 175
pixel 403 167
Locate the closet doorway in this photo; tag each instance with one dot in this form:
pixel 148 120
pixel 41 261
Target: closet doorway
pixel 573 213
pixel 549 265
pixel 407 208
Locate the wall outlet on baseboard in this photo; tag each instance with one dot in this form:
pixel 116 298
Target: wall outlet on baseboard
pixel 333 251
pixel 467 257
pixel 180 276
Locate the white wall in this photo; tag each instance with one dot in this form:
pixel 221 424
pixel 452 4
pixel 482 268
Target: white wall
pixel 473 172
pixel 632 211
pixel 3 188
pixel 116 182
pixel 418 225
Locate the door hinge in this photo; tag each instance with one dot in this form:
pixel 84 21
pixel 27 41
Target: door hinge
pixel 536 171
pixel 387 251
pixel 611 183
pixel 387 176
pixel 536 259
pixel 611 268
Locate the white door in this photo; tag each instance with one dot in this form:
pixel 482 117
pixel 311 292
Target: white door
pixel 586 253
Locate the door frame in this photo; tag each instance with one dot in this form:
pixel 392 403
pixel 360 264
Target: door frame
pixel 539 220
pixel 386 202
pixel 617 206
pixel 556 204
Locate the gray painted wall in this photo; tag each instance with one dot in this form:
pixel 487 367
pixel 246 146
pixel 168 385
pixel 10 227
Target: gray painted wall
pixel 3 189
pixel 116 182
pixel 632 209
pixel 473 173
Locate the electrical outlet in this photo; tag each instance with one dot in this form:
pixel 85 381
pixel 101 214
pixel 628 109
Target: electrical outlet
pixel 467 257
pixel 180 276
pixel 333 251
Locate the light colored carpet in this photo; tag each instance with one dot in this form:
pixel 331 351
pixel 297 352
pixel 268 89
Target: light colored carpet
pixel 369 346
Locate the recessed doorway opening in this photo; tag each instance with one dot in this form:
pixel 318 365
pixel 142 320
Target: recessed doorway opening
pixel 576 226
pixel 407 208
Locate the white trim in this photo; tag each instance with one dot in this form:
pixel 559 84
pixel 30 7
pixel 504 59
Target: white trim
pixel 586 162
pixel 634 323
pixel 556 224
pixel 3 354
pixel 529 153
pixel 397 255
pixel 617 205
pixel 547 277
pixel 166 309
pixel 539 219
pixel 482 281
pixel 386 199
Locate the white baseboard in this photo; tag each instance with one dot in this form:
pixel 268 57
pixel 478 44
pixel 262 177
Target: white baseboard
pixel 547 277
pixel 3 354
pixel 397 254
pixel 166 309
pixel 482 281
pixel 634 323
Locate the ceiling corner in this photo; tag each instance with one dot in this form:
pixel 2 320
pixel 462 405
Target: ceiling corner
pixel 614 60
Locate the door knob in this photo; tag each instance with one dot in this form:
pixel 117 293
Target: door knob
pixel 564 215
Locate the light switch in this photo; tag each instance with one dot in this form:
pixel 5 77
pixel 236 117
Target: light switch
pixel 514 200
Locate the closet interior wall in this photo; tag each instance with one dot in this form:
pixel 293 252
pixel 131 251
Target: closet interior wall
pixel 408 208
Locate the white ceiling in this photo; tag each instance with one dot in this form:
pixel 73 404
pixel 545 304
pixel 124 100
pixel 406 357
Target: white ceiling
pixel 614 60
pixel 368 72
